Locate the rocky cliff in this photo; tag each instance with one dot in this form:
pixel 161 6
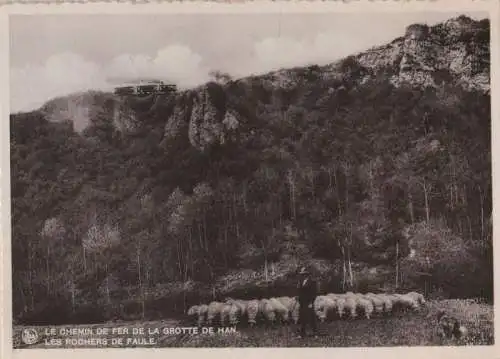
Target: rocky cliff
pixel 454 51
pixel 427 56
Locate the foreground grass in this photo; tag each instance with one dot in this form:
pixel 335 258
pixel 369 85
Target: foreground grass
pixel 400 329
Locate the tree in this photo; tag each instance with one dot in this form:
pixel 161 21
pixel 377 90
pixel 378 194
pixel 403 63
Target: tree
pixel 53 232
pixel 436 250
pixel 220 77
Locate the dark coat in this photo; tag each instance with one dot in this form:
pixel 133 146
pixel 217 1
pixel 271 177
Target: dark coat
pixel 307 292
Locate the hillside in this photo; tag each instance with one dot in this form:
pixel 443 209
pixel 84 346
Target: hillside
pixel 376 170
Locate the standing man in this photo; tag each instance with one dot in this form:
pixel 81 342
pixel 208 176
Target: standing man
pixel 308 290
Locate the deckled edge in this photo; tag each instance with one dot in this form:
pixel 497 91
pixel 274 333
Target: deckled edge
pixel 134 2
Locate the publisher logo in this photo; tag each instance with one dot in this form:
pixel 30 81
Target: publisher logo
pixel 29 336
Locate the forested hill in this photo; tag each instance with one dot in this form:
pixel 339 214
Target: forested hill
pixel 375 170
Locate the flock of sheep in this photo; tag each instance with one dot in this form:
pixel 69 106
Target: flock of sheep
pixel 286 309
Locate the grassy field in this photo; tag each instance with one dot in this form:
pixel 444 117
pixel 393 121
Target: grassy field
pixel 404 329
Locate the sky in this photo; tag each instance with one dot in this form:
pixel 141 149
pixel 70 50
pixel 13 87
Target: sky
pixel 54 55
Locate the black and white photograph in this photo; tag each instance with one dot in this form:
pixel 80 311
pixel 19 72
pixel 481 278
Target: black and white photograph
pixel 251 180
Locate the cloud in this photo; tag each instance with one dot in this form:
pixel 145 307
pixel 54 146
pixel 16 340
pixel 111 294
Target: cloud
pixel 174 63
pixel 65 73
pixel 61 74
pixel 280 52
pixel 271 53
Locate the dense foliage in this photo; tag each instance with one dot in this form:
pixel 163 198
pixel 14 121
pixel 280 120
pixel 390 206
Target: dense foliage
pixel 381 188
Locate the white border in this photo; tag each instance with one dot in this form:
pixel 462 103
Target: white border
pixel 258 6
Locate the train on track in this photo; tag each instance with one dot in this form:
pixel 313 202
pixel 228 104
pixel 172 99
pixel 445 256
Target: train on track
pixel 144 88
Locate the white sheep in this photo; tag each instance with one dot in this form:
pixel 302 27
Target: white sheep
pixel 241 306
pixel 252 311
pixel 410 302
pixel 193 311
pixel 319 307
pixel 234 314
pixel 280 310
pixel 267 310
pixel 225 313
pixel 289 305
pixel 406 302
pixel 378 303
pixel 287 302
pixel 365 305
pixel 332 296
pixel 323 306
pixel 419 298
pixel 202 314
pixel 335 300
pixel 295 310
pixel 341 305
pixel 351 305
pixel 388 302
pixel 395 300
pixel 214 311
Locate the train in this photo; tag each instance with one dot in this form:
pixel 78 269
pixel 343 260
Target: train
pixel 144 88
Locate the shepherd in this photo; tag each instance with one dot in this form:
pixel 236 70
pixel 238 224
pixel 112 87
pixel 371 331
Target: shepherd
pixel 307 292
